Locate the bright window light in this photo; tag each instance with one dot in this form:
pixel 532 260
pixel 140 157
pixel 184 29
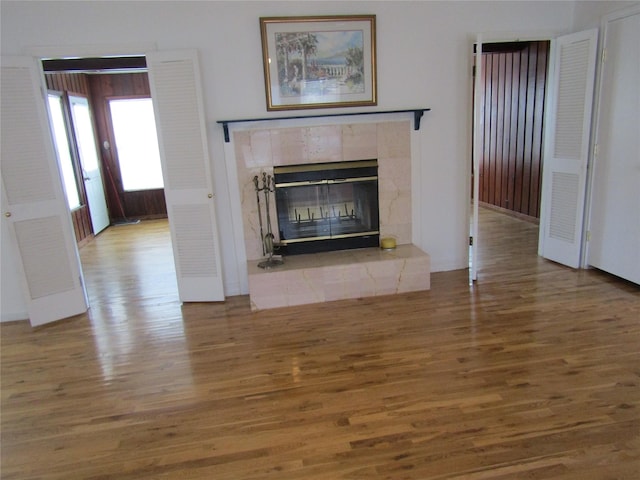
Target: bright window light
pixel 134 128
pixel 62 149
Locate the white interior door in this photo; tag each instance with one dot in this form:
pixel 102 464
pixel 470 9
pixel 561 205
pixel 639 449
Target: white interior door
pixel 176 91
pixel 88 152
pixel 566 146
pixel 614 224
pixel 34 206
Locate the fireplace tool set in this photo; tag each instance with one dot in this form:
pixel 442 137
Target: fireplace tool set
pixel 267 238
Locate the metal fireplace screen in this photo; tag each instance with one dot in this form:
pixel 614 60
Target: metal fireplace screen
pixel 327 206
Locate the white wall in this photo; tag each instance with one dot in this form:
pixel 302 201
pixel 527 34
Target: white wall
pixel 423 59
pixel 589 14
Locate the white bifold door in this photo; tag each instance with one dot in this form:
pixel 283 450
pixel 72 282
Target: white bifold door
pixel 174 77
pixel 34 206
pixel 566 146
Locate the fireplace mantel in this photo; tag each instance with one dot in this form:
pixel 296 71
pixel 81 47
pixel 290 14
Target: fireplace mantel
pixel 417 115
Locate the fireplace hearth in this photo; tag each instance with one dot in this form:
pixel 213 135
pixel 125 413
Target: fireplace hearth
pixel 327 206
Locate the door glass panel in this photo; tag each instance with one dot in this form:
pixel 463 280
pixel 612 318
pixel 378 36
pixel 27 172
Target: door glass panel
pixel 353 207
pixel 303 212
pixel 90 163
pixel 84 135
pixel 62 149
pixel 138 154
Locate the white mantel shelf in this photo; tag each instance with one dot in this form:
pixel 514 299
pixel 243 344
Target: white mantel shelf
pixel 417 115
pixel 324 277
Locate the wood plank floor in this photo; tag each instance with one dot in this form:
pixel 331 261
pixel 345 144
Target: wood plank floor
pixel 532 373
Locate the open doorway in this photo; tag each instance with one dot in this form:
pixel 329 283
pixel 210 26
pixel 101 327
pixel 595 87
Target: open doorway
pixel 510 96
pixel 38 220
pixel 118 95
pixel 118 127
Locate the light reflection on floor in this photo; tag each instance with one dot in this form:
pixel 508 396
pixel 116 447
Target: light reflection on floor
pixel 133 300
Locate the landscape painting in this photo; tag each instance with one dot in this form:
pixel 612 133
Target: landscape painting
pixel 319 62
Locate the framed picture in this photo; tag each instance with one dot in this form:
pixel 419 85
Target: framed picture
pixel 319 62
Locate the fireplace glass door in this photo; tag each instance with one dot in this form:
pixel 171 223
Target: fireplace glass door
pixel 328 209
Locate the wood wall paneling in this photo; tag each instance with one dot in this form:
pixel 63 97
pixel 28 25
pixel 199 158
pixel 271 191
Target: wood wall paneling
pixel 536 164
pixel 514 92
pixel 82 224
pixel 140 204
pixel 486 139
pixel 513 128
pixel 99 89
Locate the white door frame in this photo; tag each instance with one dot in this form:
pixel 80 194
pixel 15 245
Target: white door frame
pixel 478 122
pixel 480 39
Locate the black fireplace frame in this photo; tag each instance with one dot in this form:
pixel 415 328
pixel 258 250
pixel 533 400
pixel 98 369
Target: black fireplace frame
pixel 331 173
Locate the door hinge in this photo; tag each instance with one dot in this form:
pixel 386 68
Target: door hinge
pixel 588 235
pixel 604 55
pixel 595 151
pixel 470 241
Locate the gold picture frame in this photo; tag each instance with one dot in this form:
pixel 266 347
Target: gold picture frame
pixel 319 61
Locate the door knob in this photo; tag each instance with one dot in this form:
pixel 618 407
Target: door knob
pixel 7 214
pixel 210 195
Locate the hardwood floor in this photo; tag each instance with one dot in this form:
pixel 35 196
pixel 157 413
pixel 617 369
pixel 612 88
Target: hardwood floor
pixel 534 372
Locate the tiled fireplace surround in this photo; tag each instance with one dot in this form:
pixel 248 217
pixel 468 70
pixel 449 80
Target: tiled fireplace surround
pixel 320 277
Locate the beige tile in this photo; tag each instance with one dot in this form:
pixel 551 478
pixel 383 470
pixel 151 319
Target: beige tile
pixel 268 301
pixel 395 206
pixel 261 148
pixel 242 145
pixel 359 141
pixel 342 281
pixel 414 283
pixel 266 294
pixel 395 171
pixel 305 286
pixel 394 140
pixel 288 146
pixel 324 143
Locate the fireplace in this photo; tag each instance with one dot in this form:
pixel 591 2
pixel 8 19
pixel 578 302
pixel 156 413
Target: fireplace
pixel 263 150
pixel 327 206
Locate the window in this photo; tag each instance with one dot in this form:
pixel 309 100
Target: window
pixel 136 139
pixel 61 142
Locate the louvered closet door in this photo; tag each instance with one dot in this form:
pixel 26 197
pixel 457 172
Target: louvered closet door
pixel 33 203
pixel 176 91
pixel 567 147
